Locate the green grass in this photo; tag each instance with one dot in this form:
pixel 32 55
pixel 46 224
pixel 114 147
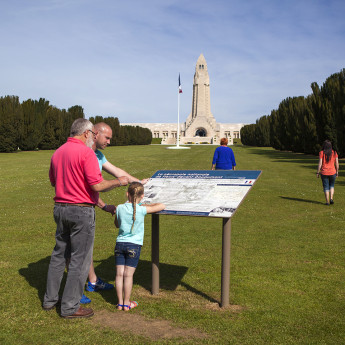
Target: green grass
pixel 287 255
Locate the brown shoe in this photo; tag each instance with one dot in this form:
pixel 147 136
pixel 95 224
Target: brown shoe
pixel 81 312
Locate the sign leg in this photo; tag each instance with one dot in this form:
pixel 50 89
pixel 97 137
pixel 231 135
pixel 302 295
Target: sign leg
pixel 155 254
pixel 226 262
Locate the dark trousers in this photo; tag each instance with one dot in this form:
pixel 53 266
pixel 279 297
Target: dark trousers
pixel 75 232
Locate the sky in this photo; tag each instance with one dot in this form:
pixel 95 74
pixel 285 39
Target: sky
pixel 123 58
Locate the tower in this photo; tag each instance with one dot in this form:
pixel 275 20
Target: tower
pixel 201 122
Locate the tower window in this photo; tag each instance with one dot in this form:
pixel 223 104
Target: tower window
pixel 201 132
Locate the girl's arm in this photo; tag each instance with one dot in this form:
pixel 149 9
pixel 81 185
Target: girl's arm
pixel 319 167
pixel 337 165
pixel 116 222
pixel 153 208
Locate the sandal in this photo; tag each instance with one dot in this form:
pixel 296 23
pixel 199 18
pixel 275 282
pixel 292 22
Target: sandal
pixel 119 306
pixel 129 306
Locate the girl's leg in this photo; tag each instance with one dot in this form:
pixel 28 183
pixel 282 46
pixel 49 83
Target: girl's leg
pixel 331 186
pixel 327 196
pixel 331 191
pixel 128 284
pixel 119 284
pixel 325 184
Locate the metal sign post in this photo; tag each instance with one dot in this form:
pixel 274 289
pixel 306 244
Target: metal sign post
pixel 226 245
pixel 155 254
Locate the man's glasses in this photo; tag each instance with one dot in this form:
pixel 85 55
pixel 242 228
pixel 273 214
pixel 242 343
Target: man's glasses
pixel 94 134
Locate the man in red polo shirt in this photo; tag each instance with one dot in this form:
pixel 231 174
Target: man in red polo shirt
pixel 75 174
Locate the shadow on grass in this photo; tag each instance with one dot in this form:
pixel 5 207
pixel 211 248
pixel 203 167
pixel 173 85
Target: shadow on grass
pixel 309 161
pixel 170 277
pixel 302 200
pixel 36 275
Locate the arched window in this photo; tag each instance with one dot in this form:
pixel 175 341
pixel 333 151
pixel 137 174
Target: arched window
pixel 200 132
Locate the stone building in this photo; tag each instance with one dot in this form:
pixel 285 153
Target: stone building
pixel 200 126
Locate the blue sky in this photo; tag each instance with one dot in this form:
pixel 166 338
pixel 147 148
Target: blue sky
pixel 122 58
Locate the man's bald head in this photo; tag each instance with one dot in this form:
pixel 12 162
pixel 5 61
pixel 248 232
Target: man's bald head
pixel 104 135
pixel 101 127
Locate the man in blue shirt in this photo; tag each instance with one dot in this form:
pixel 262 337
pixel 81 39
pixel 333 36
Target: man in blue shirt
pixel 102 140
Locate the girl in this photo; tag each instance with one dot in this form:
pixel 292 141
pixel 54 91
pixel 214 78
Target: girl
pixel 129 219
pixel 328 167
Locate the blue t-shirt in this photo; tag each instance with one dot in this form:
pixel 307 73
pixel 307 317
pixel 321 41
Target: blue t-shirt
pixel 101 159
pixel 124 215
pixel 224 158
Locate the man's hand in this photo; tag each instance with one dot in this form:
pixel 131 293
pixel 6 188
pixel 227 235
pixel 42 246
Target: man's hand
pixel 123 180
pixel 110 208
pixel 144 181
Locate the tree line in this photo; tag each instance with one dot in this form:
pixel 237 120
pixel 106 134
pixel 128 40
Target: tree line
pixel 33 124
pixel 301 124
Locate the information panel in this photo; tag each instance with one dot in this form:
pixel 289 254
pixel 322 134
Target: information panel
pixel 205 193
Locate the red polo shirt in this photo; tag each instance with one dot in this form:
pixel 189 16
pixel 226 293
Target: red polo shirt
pixel 73 169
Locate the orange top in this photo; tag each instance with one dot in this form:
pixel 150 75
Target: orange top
pixel 328 168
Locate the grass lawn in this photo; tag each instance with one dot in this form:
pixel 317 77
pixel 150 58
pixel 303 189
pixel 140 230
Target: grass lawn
pixel 287 258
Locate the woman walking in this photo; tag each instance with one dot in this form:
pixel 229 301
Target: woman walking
pixel 328 169
pixel 223 158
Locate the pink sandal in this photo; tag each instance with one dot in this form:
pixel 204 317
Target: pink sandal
pixel 129 306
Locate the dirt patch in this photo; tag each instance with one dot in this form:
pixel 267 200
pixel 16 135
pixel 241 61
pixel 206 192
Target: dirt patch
pixel 137 324
pixel 156 329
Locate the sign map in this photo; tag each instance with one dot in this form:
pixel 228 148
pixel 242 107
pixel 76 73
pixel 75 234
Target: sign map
pixel 206 193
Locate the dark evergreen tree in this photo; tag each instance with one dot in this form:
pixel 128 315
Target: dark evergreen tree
pixel 11 122
pixel 248 135
pixel 262 131
pixel 53 129
pixel 34 113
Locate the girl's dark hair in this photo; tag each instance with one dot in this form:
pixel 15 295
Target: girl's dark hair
pixel 327 149
pixel 135 190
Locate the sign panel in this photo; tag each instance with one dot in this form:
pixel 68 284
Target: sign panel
pixel 206 193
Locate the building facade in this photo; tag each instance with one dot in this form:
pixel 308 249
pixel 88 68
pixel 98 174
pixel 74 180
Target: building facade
pixel 200 126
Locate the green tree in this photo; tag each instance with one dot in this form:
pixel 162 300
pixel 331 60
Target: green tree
pixel 53 129
pixel 34 113
pixel 262 131
pixel 11 122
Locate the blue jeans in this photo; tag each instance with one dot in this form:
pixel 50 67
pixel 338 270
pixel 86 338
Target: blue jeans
pixel 328 182
pixel 75 232
pixel 127 254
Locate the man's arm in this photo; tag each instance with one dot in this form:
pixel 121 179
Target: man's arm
pixel 117 172
pixel 107 185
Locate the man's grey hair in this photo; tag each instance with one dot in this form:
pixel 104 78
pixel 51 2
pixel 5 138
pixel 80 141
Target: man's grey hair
pixel 79 126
